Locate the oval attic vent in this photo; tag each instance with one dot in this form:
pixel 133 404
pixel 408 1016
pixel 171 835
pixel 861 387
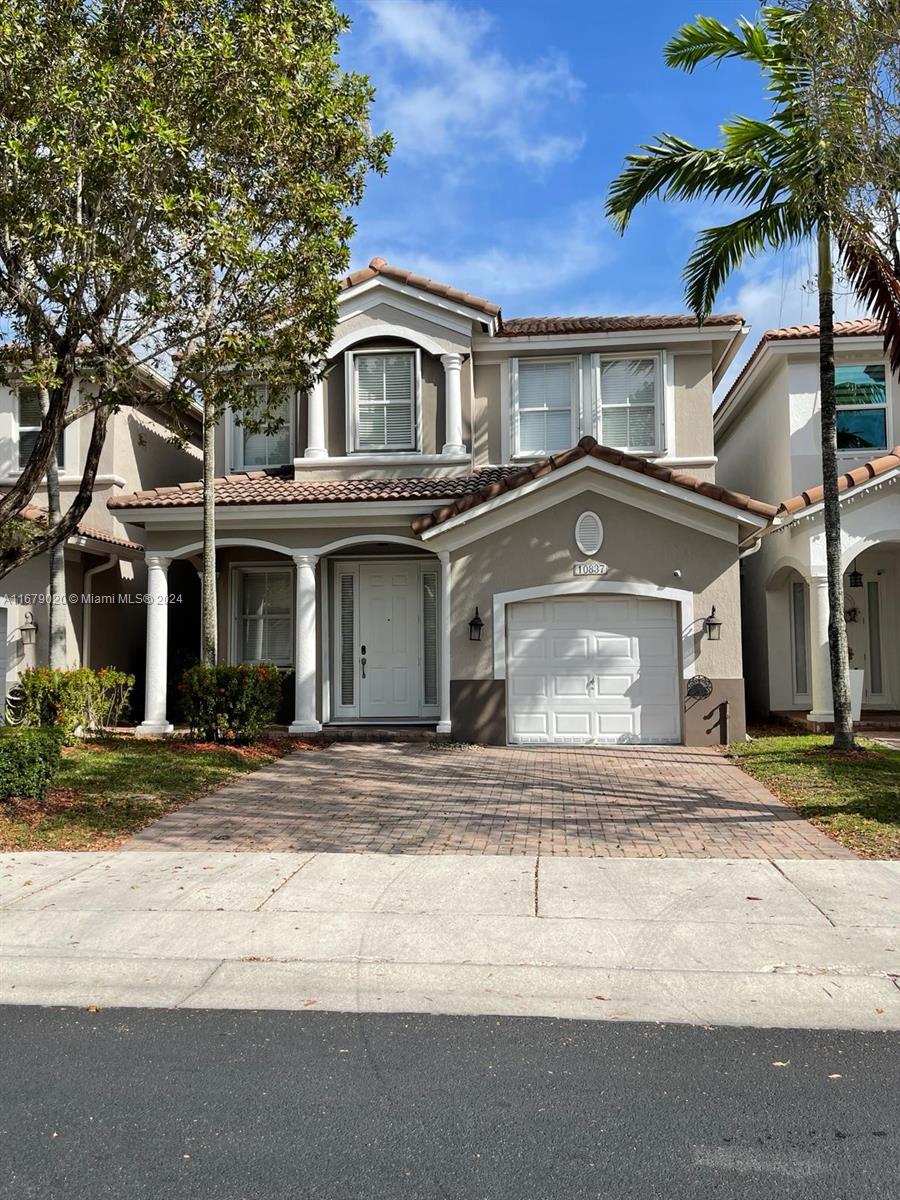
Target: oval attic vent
pixel 588 533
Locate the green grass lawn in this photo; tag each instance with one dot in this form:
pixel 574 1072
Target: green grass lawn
pixel 855 798
pixel 106 790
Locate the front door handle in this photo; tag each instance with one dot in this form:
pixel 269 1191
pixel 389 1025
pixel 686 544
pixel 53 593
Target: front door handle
pixel 591 683
pixel 362 663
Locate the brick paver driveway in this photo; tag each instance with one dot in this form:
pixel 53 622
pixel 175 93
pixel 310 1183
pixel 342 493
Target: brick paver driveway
pixel 646 802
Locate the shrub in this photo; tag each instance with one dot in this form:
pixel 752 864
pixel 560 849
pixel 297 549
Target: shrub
pixel 230 702
pixel 74 701
pixel 28 761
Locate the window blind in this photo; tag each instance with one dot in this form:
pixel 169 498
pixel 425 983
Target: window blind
pixel 430 637
pixel 30 422
pixel 348 648
pixel 268 449
pixel 385 401
pixel 265 616
pixel 627 403
pixel 545 392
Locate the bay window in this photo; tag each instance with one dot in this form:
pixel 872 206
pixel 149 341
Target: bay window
pixel 545 407
pixel 861 395
pixel 629 396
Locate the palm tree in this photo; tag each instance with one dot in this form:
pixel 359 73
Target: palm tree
pixel 793 176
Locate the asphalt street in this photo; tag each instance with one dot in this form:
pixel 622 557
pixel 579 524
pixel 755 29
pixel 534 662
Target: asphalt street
pixel 140 1103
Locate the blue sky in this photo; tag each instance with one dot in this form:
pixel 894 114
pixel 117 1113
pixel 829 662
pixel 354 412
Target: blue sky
pixel 512 116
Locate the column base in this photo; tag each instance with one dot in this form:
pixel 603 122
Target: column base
pixel 819 721
pixel 154 728
pixel 305 727
pixel 453 449
pixel 443 727
pixel 315 452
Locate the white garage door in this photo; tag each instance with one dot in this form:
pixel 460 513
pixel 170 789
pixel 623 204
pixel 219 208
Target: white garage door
pixel 589 669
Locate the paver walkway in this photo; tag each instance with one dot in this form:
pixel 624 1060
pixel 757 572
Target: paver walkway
pixel 635 802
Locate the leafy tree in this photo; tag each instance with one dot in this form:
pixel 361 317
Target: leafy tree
pixel 797 176
pixel 175 185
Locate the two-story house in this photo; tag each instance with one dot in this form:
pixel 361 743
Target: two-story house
pixel 104 562
pixel 507 529
pixel 767 432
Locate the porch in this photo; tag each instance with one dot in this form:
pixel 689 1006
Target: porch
pixel 356 620
pixel 797 621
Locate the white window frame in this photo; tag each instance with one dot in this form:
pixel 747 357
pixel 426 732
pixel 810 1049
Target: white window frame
pixel 352 406
pixel 659 400
pixel 869 360
pixel 62 446
pixel 236 571
pixel 574 364
pixel 235 433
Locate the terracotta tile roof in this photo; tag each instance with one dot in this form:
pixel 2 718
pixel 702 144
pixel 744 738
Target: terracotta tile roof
pixel 34 512
pixel 278 486
pixel 379 267
pixel 864 327
pixel 846 481
pixel 589 448
pixel 536 326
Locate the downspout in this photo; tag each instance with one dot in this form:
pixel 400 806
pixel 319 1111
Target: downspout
pixel 87 606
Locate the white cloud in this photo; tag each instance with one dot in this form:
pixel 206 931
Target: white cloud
pixel 445 90
pixel 775 290
pixel 526 269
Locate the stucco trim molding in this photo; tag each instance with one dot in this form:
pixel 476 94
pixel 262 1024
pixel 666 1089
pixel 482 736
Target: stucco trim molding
pixel 598 587
pixel 381 329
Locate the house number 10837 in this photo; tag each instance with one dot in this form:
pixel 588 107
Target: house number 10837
pixel 589 567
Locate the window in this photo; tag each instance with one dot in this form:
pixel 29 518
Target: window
pixel 544 394
pixel 255 450
pixel 800 638
pixel 628 403
pixel 265 605
pixel 30 426
pixel 861 394
pixel 384 390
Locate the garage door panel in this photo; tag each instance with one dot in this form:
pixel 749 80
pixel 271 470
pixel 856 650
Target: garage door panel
pixel 625 686
pixel 570 648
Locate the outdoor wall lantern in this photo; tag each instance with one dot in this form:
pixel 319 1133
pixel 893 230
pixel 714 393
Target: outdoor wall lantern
pixel 856 579
pixel 713 626
pixel 28 630
pixel 475 627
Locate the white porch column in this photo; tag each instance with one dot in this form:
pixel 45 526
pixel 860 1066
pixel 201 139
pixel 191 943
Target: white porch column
pixel 315 422
pixel 157 606
pixel 452 364
pixel 305 645
pixel 819 660
pixel 444 723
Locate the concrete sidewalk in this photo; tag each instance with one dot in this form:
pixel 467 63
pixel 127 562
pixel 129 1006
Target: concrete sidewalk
pixel 786 943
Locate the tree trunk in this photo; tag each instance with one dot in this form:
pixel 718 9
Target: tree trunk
pixel 209 649
pixel 57 609
pixel 837 628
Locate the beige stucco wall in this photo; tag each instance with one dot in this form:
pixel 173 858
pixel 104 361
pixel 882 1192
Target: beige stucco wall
pixel 692 387
pixel 486 441
pixel 638 547
pixel 754 450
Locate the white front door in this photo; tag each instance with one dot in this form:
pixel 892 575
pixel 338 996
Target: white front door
pixel 593 669
pixel 389 658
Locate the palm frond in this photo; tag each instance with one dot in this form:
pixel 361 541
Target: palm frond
pixel 674 169
pixel 874 284
pixel 722 249
pixel 708 40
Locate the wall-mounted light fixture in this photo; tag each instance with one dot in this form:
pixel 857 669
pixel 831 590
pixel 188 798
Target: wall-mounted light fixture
pixel 28 630
pixel 856 579
pixel 713 626
pixel 475 627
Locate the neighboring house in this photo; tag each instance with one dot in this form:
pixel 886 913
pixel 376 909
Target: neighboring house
pixel 768 441
pixel 104 561
pixel 436 537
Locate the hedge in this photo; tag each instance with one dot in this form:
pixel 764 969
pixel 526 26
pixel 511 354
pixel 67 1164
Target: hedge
pixel 28 761
pixel 230 703
pixel 76 701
